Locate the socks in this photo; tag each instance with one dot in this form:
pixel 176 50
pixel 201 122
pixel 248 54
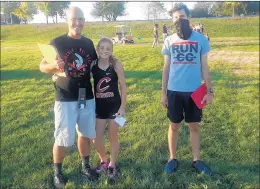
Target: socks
pixel 85 161
pixel 57 168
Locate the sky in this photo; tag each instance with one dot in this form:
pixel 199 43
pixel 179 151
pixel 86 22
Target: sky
pixel 133 11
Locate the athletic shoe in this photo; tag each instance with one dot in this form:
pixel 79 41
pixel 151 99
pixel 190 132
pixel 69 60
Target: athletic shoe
pixel 201 167
pixel 171 166
pixel 102 167
pixel 59 180
pixel 89 173
pixel 111 174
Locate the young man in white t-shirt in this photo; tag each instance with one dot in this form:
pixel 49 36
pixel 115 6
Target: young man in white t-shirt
pixel 185 57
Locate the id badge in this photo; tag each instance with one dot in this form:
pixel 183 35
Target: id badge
pixel 82 98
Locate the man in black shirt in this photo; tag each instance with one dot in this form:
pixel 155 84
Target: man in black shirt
pixel 74 104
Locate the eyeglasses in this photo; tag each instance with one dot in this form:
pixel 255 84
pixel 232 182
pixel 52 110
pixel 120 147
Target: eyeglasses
pixel 77 19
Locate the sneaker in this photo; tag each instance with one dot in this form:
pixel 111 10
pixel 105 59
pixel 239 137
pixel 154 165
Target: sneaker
pixel 201 167
pixel 111 174
pixel 102 167
pixel 171 166
pixel 89 173
pixel 59 180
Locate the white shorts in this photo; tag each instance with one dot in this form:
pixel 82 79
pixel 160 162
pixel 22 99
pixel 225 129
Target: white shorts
pixel 68 118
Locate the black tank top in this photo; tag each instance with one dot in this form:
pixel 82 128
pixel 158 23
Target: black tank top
pixel 105 82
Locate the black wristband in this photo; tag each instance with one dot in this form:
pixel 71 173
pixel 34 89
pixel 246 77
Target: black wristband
pixel 210 90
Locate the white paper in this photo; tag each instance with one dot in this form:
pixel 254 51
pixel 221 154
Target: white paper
pixel 120 120
pixel 82 106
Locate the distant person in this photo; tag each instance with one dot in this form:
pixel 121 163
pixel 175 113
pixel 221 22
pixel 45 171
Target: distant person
pixel 185 64
pixel 207 36
pixel 198 28
pixel 74 105
pixel 107 73
pixel 165 32
pixel 155 35
pixel 202 29
pixel 191 26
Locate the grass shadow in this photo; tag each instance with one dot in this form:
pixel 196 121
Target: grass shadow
pixel 143 74
pixel 23 74
pixel 240 82
pixel 186 176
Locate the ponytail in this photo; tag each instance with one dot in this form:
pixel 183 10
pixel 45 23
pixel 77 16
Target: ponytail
pixel 113 60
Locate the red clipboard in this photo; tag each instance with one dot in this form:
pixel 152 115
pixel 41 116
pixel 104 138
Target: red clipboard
pixel 198 95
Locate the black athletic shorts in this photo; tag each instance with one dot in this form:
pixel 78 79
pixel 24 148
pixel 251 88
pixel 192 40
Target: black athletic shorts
pixel 107 108
pixel 181 106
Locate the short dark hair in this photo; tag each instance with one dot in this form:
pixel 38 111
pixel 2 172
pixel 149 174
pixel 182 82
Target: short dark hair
pixel 178 7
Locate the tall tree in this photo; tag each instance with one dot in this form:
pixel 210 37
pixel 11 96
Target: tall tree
pixel 108 10
pixel 147 9
pixel 25 11
pixel 53 9
pixel 217 8
pixel 242 8
pixel 45 8
pixel 229 8
pixel 8 8
pixel 201 9
pixel 157 8
pixel 58 8
pixel 234 5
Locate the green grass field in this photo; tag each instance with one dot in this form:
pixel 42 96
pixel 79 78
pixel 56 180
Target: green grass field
pixel 229 130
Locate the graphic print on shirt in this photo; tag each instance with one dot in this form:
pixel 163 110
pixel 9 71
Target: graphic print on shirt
pixel 102 86
pixel 184 52
pixel 77 61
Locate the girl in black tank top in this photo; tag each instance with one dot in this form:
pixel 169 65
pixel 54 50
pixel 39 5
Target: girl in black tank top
pixel 107 74
pixel 106 91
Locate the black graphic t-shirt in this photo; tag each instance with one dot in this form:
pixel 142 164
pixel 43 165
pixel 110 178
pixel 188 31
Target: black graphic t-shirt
pixel 164 29
pixel 77 55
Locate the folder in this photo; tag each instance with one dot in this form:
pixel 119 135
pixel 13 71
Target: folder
pixel 49 53
pixel 198 95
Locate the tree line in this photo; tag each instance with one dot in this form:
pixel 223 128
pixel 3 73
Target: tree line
pixel 24 11
pixel 235 8
pixel 155 10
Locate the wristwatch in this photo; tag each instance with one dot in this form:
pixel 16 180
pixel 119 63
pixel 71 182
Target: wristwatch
pixel 210 90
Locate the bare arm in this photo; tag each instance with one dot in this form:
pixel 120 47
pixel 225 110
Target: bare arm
pixel 92 64
pixel 45 67
pixel 121 77
pixel 207 78
pixel 165 74
pixel 205 71
pixel 165 78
